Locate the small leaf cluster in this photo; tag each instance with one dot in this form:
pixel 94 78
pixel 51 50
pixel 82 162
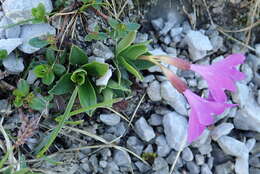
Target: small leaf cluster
pixel 27 99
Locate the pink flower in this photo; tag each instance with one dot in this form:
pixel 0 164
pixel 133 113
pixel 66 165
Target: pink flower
pixel 201 114
pixel 221 75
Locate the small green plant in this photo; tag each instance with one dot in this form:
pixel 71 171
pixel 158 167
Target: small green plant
pixel 48 69
pixel 149 157
pixel 27 99
pixel 3 54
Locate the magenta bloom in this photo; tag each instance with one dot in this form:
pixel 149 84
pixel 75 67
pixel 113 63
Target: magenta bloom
pixel 201 114
pixel 221 75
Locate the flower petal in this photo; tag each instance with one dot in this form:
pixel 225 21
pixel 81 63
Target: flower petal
pixel 231 60
pixel 195 129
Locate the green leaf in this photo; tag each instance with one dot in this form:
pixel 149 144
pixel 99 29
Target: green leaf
pixel 114 85
pixel 41 70
pixel 64 118
pixel 96 36
pixel 22 171
pixel 126 41
pixel 134 51
pixel 141 64
pixel 63 86
pixel 3 54
pixel 23 87
pixel 39 13
pixel 79 76
pixel 77 56
pixel 113 23
pixel 130 68
pixel 38 104
pixel 48 78
pixel 87 96
pixel 59 69
pixel 85 109
pixel 4 159
pixel 50 55
pixel 96 68
pixel 132 26
pixel 38 42
pixel 108 95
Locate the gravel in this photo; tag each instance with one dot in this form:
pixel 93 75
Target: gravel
pixel 175 129
pixel 101 50
pixel 143 130
pixel 102 81
pixel 187 154
pixel 173 98
pixel 233 147
pixel 163 148
pixel 221 130
pixel 155 120
pixel 110 119
pixel 153 91
pixel 198 45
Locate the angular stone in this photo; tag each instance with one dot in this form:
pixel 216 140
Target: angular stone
pixel 144 131
pixel 153 91
pixel 110 119
pixel 13 65
pixel 175 129
pixel 173 98
pixel 241 165
pixel 9 44
pixel 198 44
pixel 187 154
pixel 220 130
pixel 19 11
pixel 232 146
pixel 31 31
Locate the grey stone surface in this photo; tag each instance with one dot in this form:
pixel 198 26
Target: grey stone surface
pixel 175 129
pixel 225 168
pixel 192 168
pixel 198 44
pixel 160 164
pixel 10 44
pixel 232 146
pixel 144 131
pixel 205 148
pixel 19 11
pixel 31 31
pixel 121 158
pixel 187 154
pixel 31 77
pixel 257 47
pixel 200 159
pixel 176 31
pixel 110 119
pixel 247 70
pixel 101 50
pixel 142 167
pixel 250 144
pixel 153 91
pixel 173 98
pixel 246 119
pixel 220 130
pixel 205 169
pixel 13 64
pixel 241 165
pixel 155 120
pixel 12 32
pixel 135 145
pixel 157 24
pixel 163 148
